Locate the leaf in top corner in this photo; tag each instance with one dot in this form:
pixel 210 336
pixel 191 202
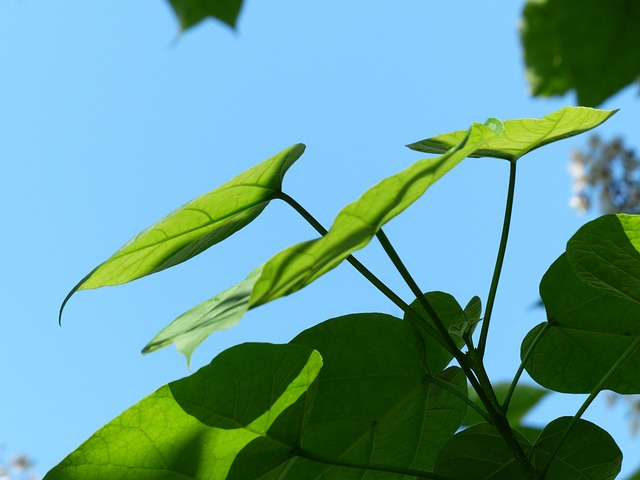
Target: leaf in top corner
pixel 521 136
pixel 192 12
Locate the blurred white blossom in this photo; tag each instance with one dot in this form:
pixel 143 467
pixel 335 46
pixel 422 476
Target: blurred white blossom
pixel 606 175
pixel 19 467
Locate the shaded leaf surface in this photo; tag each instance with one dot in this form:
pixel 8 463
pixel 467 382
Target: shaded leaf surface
pixel 590 330
pixel 196 226
pixel 588 453
pixel 588 46
pixel 480 453
pixel 194 428
pixel 523 135
pixel 192 12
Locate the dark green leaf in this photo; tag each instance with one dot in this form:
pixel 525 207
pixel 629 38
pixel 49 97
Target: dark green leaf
pixel 589 46
pixel 451 315
pixel 523 135
pixel 196 226
pixel 480 453
pixel 588 453
pixel 376 399
pixel 589 331
pixel 191 12
pixel 195 427
pixel 605 254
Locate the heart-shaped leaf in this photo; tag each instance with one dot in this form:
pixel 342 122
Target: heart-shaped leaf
pixel 196 226
pixel 588 331
pixel 523 135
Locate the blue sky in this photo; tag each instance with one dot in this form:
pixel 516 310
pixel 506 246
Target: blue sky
pixel 110 119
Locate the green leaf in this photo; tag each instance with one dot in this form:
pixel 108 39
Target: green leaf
pixel 269 412
pixel 590 329
pixel 605 253
pixel 480 453
pixel 196 226
pixel 524 399
pixel 195 427
pixel 521 136
pixel 588 453
pixel 218 313
pixel 378 399
pixel 595 56
pixel 450 314
pixel 192 12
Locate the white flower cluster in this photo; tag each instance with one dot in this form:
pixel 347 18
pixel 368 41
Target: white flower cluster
pixel 607 173
pixel 18 468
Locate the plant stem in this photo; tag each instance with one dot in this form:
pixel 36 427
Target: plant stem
pixel 465 398
pixel 368 466
pixel 523 363
pixel 364 271
pixel 499 260
pixel 592 396
pixel 471 365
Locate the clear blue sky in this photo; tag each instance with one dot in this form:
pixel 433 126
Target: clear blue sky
pixel 109 119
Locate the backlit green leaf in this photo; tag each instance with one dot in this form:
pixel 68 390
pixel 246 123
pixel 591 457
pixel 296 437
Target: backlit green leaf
pixel 589 330
pixel 588 453
pixel 480 453
pixel 191 12
pixel 218 313
pixel 195 427
pixel 523 135
pixel 196 226
pixel 605 253
pixel 588 46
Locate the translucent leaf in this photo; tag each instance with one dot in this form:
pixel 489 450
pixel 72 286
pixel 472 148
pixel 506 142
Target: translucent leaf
pixel 588 453
pixel 196 226
pixel 589 330
pixel 596 56
pixel 521 136
pixel 192 12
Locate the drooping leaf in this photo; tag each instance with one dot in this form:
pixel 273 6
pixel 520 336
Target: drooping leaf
pixel 196 226
pixel 378 400
pixel 480 453
pixel 524 399
pixel 521 136
pixel 218 313
pixel 584 45
pixel 450 314
pixel 590 329
pixel 195 427
pixel 192 12
pixel 588 453
pixel 605 253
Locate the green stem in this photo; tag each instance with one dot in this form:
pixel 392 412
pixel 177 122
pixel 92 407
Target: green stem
pixel 523 363
pixel 499 261
pixel 364 271
pixel 465 398
pixel 592 396
pixel 367 466
pixel 472 365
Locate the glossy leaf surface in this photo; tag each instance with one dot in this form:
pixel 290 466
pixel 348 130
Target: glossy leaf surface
pixel 192 12
pixel 195 427
pixel 480 453
pixel 197 225
pixel 595 56
pixel 588 453
pixel 523 135
pixel 589 330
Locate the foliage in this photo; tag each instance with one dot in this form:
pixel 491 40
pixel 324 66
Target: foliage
pixel 192 12
pixel 371 395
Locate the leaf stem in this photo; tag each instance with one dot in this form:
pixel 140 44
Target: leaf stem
pixel 364 271
pixel 368 466
pixel 465 398
pixel 592 396
pixel 499 260
pixel 523 363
